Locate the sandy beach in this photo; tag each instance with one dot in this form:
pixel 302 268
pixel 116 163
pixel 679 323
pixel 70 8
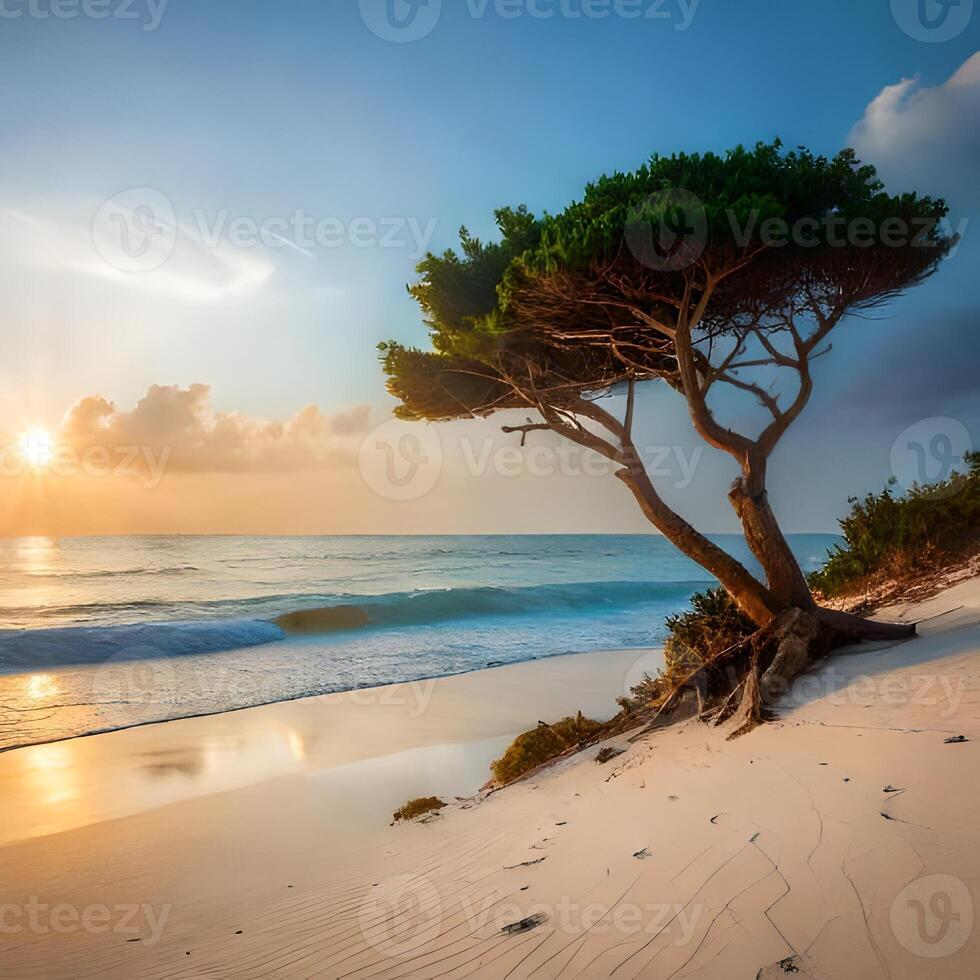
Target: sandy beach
pixel 839 841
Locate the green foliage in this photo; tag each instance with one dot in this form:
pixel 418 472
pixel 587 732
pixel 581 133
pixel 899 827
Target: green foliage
pixel 533 748
pixel 418 808
pixel 894 536
pixel 491 307
pixel 740 189
pixel 712 625
pixel 457 293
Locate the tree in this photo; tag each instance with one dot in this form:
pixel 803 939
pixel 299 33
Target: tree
pixel 706 272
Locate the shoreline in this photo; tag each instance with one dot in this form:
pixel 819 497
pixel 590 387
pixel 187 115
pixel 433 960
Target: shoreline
pixel 218 751
pixel 367 688
pixel 800 847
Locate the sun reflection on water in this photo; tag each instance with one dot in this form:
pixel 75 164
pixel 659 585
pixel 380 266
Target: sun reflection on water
pixel 41 687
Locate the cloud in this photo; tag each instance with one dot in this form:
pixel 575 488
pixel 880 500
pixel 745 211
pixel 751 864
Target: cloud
pixel 925 368
pixel 198 438
pixel 927 139
pixel 190 270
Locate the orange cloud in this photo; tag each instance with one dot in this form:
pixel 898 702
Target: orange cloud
pixel 183 425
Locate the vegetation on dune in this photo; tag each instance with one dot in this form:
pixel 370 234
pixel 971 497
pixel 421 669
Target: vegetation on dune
pixel 418 808
pixel 541 745
pixel 889 536
pixel 694 650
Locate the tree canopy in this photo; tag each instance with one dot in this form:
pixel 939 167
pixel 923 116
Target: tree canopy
pixel 700 270
pixel 572 304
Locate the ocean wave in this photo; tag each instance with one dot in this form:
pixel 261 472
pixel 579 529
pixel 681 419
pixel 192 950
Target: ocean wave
pixel 308 615
pixel 435 605
pixel 22 650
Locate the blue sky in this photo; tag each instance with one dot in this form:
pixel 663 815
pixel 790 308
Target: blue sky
pixel 257 110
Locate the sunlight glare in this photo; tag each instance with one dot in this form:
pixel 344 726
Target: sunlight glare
pixel 41 686
pixel 36 448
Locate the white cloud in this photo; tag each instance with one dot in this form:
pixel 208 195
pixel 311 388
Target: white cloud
pixel 194 272
pixel 926 139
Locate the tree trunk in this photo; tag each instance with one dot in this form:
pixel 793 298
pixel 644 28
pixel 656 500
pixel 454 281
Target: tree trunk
pixel 854 629
pixel 764 537
pixel 751 596
pixel 786 581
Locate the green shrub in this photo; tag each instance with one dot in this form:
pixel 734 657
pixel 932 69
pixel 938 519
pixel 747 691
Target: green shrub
pixel 896 536
pixel 419 807
pixel 713 624
pixel 530 750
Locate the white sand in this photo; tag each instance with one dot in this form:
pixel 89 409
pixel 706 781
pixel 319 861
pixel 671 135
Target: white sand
pixel 770 848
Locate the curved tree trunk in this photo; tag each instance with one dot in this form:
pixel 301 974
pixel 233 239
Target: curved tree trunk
pixel 786 580
pixel 751 596
pixel 764 537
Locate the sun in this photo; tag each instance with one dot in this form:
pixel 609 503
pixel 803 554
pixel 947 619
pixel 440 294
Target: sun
pixel 36 448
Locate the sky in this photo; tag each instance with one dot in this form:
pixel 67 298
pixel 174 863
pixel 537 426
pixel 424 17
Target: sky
pixel 289 164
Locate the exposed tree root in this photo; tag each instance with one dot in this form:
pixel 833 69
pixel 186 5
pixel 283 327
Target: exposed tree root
pixel 743 681
pixel 739 684
pixel 789 646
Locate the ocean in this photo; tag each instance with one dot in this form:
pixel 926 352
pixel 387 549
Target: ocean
pixel 103 633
